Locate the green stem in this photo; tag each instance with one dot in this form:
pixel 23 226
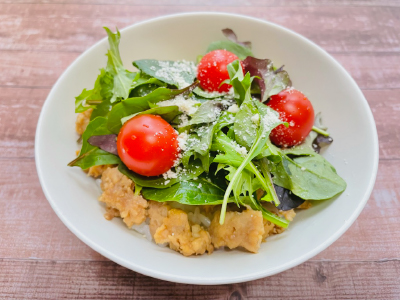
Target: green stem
pixel 91 102
pixel 267 174
pixel 320 131
pixel 266 184
pixel 269 216
pixel 228 191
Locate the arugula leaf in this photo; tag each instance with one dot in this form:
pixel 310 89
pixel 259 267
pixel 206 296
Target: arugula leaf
pixel 194 192
pixel 198 145
pixel 307 174
pixel 270 82
pixel 137 104
pixel 98 93
pixel 104 108
pixel 230 156
pixel 177 73
pixel 241 83
pixel 159 182
pixel 269 119
pixel 240 51
pixel 91 155
pixel 122 77
pixel 168 113
pixel 225 119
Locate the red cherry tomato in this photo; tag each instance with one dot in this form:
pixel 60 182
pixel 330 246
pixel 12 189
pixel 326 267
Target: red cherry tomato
pixel 293 107
pixel 212 70
pixel 148 145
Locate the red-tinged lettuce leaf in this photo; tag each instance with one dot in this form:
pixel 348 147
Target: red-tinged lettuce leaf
pixel 287 198
pixel 230 35
pixel 106 142
pixel 270 82
pixel 90 155
pixel 321 141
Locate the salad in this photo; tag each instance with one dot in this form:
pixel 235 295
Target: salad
pixel 201 155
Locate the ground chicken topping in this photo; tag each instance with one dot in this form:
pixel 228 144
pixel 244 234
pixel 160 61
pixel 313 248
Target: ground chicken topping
pixel 82 121
pixel 157 213
pixel 118 194
pixel 177 232
pixel 97 171
pixel 288 214
pixel 240 229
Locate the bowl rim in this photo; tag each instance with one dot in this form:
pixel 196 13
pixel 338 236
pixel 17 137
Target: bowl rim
pixel 193 279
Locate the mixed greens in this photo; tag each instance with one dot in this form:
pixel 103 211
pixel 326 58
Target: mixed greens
pixel 228 155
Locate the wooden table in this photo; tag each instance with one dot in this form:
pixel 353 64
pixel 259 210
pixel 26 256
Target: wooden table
pixel 41 259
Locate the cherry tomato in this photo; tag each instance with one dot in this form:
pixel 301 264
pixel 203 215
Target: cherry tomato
pixel 212 70
pixel 148 145
pixel 293 107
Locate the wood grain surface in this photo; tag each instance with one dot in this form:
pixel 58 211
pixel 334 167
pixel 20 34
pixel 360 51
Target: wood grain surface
pixel 41 259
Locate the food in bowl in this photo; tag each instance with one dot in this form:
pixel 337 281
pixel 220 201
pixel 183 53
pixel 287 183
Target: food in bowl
pixel 207 155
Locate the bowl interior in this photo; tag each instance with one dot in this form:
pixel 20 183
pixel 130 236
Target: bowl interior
pixel 354 152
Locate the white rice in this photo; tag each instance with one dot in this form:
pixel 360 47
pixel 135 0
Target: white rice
pixel 143 229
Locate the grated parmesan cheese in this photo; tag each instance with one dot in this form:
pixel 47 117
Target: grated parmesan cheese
pixel 233 109
pixel 186 106
pixel 255 119
pixel 173 73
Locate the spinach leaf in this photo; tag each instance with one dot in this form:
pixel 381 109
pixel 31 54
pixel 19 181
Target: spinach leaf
pixel 240 51
pixel 122 77
pixel 207 95
pixel 307 174
pixel 94 157
pixel 159 182
pixel 230 35
pixel 168 113
pixel 194 192
pixel 137 104
pixel 91 155
pixel 270 82
pixel 143 85
pixel 177 73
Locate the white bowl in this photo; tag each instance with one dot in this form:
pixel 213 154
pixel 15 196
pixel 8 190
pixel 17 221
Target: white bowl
pixel 332 91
